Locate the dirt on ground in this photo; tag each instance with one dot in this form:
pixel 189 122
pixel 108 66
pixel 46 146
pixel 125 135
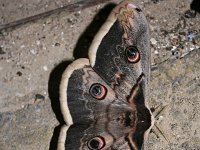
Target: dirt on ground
pixel 34 55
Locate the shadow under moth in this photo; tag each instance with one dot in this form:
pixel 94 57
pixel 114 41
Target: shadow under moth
pixel 104 99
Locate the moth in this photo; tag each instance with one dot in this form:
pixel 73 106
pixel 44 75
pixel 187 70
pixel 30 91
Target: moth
pixel 104 99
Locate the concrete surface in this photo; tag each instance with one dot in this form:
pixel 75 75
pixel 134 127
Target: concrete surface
pixel 33 57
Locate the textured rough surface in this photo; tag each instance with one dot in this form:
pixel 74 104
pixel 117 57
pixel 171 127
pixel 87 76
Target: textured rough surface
pixel 18 9
pixel 33 57
pixel 178 88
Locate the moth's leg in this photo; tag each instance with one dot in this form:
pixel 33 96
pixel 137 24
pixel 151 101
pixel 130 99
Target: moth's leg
pixel 158 114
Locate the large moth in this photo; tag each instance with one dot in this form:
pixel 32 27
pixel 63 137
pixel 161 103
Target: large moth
pixel 104 99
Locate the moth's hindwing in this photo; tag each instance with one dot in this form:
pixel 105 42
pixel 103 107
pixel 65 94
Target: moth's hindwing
pixel 90 116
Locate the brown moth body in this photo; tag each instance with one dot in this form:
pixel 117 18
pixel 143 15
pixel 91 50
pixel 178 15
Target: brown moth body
pixel 104 100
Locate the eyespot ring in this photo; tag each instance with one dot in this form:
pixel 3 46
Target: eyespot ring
pixel 96 143
pixel 132 54
pixel 98 91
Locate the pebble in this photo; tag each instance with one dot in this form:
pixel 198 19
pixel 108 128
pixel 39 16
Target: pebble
pixel 191 36
pixel 45 68
pixel 22 46
pixel 161 117
pixel 33 51
pixel 153 41
pixel 1 51
pixel 156 52
pixel 39 97
pixel 190 14
pixel 38 42
pixel 173 48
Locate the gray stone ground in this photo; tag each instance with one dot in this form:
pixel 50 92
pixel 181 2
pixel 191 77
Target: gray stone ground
pixel 33 57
